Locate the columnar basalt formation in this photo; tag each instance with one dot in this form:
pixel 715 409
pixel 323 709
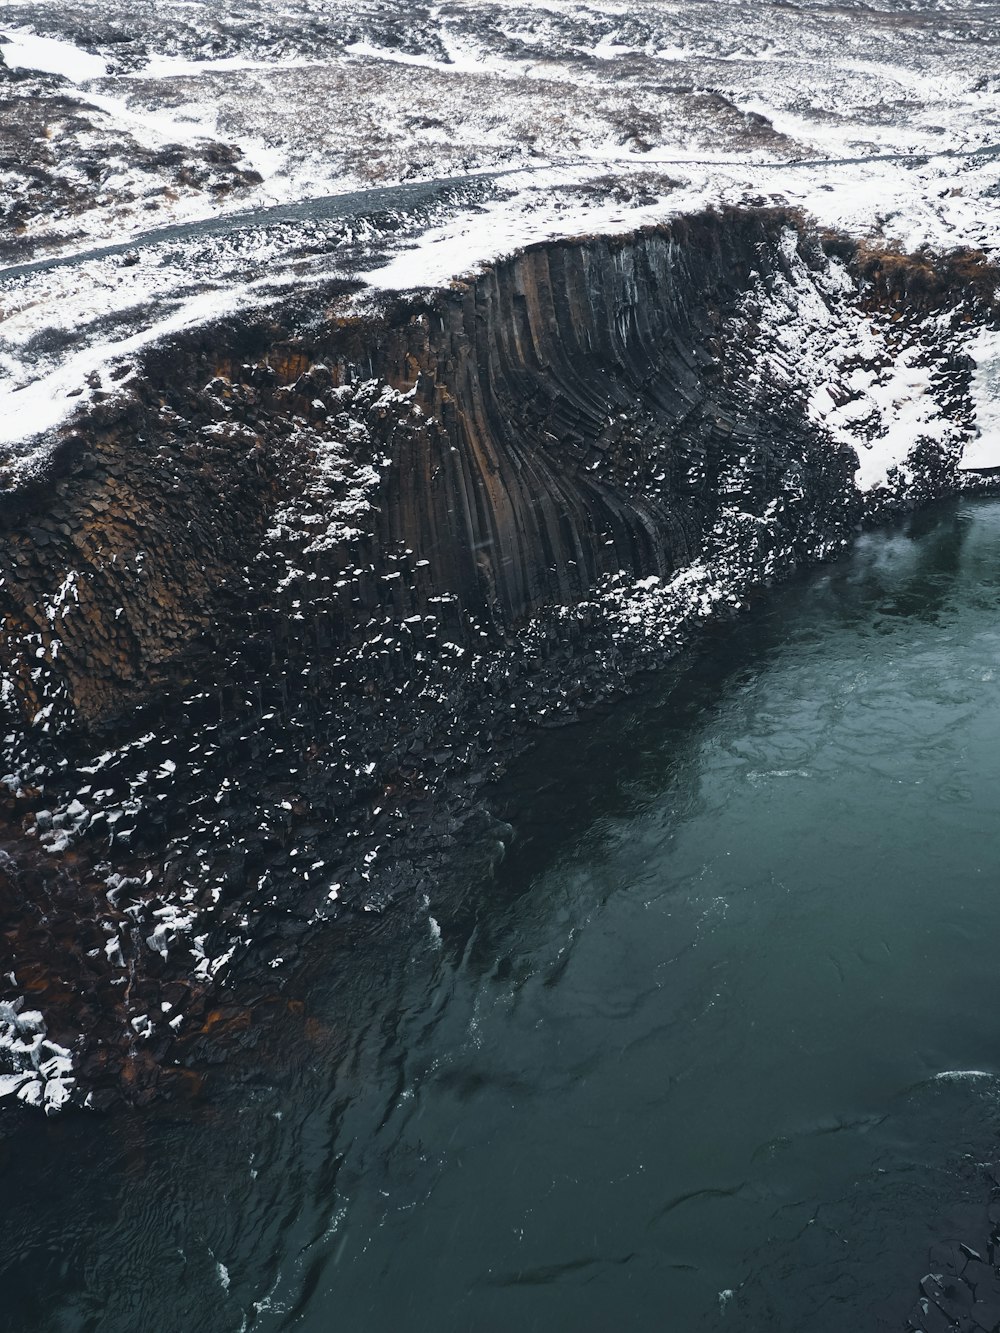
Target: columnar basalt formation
pixel 293 587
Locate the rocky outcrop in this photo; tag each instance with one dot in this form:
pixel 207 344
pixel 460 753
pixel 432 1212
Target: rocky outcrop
pixel 294 586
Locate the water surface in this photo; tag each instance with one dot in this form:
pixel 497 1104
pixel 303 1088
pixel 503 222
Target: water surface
pixel 717 1047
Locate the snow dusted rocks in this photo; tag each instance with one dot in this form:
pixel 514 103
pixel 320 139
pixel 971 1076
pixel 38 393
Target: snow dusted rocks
pixel 983 451
pixel 40 1070
pixel 295 583
pixel 290 563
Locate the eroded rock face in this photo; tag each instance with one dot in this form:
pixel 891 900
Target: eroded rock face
pixel 292 590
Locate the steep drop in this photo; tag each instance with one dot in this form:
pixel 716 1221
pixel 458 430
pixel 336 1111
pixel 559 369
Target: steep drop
pixel 295 587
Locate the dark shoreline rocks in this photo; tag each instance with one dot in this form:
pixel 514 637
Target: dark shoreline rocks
pixel 960 1292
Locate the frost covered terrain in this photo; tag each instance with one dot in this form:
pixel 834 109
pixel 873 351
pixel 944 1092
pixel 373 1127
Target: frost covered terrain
pixel 171 168
pixel 122 124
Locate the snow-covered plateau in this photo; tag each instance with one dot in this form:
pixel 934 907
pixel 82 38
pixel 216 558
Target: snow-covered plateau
pixel 356 355
pixel 124 123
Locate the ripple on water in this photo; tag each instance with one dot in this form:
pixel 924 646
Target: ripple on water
pixel 714 1043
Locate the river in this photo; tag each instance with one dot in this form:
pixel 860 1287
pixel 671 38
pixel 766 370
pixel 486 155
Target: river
pixel 716 1046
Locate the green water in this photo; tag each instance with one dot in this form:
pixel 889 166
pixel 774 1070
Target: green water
pixel 716 1048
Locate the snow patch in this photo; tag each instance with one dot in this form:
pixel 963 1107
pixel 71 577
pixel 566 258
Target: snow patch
pixel 984 450
pixel 21 49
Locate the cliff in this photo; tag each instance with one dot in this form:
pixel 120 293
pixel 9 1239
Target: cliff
pixel 296 585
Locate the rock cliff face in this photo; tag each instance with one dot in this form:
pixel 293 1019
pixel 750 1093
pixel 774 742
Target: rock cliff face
pixel 293 587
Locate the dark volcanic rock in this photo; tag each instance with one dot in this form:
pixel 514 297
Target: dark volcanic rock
pixel 294 589
pixel 962 1289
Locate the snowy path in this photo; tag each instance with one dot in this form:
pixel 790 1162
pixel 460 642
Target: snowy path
pixel 357 204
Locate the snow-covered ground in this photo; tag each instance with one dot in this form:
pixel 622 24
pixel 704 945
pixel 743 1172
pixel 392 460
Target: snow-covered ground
pixel 123 118
pixel 984 450
pixel 51 55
